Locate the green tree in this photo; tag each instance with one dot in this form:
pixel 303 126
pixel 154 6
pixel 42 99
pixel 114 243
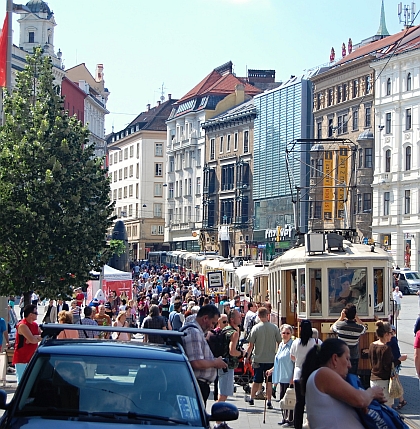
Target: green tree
pixel 54 193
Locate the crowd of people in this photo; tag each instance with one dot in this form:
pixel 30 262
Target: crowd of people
pixel 317 370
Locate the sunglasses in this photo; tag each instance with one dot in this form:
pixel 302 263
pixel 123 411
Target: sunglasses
pixel 286 333
pixel 224 323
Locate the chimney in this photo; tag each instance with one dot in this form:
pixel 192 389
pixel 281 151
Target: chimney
pixel 148 107
pixel 169 96
pixel 158 103
pixel 240 93
pixel 99 72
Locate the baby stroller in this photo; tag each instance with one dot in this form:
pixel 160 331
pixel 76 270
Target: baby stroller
pixel 243 375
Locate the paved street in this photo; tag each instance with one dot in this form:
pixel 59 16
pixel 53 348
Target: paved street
pixel 252 417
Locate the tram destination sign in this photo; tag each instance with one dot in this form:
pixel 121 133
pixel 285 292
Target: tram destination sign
pixel 215 279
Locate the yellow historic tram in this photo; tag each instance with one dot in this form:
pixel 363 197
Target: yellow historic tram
pixel 309 282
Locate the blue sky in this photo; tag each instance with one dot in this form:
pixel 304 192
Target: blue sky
pixel 144 44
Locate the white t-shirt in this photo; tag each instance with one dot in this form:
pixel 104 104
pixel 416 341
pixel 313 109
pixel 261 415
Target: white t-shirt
pixel 299 352
pixel 397 297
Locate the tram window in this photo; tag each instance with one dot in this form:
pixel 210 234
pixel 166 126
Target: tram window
pixel 347 287
pixel 302 294
pixel 378 289
pixel 315 290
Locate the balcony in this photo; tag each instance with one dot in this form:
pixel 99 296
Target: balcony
pixel 384 178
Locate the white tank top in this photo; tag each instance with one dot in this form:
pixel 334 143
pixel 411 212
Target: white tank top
pixel 325 412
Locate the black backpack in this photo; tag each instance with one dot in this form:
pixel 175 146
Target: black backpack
pixel 218 343
pixel 251 324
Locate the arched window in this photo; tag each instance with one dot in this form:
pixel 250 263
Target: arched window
pixel 408 158
pixel 388 161
pixel 388 86
pixel 409 82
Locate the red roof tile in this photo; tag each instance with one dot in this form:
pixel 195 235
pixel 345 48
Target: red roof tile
pixel 216 83
pixel 383 46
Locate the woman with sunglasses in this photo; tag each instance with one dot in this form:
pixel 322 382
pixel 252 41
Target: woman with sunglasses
pixel 28 337
pixel 282 371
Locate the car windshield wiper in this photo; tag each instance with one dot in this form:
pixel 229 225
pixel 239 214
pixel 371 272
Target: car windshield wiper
pixel 138 416
pixel 70 412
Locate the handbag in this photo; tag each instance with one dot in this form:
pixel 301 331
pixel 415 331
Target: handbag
pixel 395 387
pixel 288 401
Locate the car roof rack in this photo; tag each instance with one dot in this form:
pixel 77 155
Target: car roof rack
pixel 51 330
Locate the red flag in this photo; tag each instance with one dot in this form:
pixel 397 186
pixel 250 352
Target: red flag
pixel 3 51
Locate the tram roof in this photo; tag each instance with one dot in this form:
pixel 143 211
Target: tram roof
pixel 352 252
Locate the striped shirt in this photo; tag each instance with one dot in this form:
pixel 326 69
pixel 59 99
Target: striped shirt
pixel 349 331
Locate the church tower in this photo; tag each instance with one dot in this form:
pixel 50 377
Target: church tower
pixel 37 28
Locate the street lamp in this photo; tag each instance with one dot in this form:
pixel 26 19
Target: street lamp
pixel 10 8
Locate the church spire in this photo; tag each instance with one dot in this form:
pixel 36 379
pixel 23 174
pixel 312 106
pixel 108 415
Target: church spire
pixel 382 30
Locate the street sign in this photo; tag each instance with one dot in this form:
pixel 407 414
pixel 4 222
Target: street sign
pixel 214 279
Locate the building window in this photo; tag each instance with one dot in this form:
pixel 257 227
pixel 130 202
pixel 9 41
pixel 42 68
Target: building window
pixel 246 141
pixel 388 86
pixel 120 172
pixel 409 82
pixel 158 169
pixel 342 124
pixel 125 191
pixel 157 210
pixel 158 189
pixel 367 117
pixel 339 91
pixel 408 119
pixel 355 120
pixel 158 149
pixel 330 97
pixel 198 185
pixel 388 123
pixel 198 159
pixel 316 209
pixel 221 145
pixel 228 176
pixel 344 91
pixel 228 143
pixel 126 153
pixel 407 202
pixel 355 88
pixel 319 130
pixel 330 127
pixel 132 151
pixel 367 202
pixel 130 190
pixel 386 203
pixel 360 151
pixel 359 203
pixel 368 86
pixel 368 157
pixel 408 158
pixel 212 149
pixel 125 173
pixel 171 164
pixel 388 161
pixel 31 37
pixel 170 190
pixel 119 193
pixel 131 171
pixel 114 195
pixel 318 101
pixel 235 142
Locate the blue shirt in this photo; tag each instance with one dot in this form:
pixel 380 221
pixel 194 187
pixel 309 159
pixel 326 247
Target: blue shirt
pixel 283 365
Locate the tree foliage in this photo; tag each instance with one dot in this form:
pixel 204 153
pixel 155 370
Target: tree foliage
pixel 54 193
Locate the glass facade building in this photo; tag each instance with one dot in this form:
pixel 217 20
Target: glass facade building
pixel 284 115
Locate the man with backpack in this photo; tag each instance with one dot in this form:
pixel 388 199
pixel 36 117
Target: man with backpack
pixel 231 355
pixel 202 360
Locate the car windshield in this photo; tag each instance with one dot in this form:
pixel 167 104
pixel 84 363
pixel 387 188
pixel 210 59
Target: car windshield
pixel 412 276
pixel 90 387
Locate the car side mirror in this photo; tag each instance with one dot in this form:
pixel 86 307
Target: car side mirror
pixel 3 400
pixel 223 412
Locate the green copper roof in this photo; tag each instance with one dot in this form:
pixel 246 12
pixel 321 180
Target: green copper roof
pixel 382 30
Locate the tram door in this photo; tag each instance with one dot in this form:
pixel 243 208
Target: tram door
pixel 291 291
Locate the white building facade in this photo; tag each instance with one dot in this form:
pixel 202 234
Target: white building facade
pixel 185 147
pixel 396 202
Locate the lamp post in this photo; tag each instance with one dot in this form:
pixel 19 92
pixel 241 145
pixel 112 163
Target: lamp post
pixel 10 8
